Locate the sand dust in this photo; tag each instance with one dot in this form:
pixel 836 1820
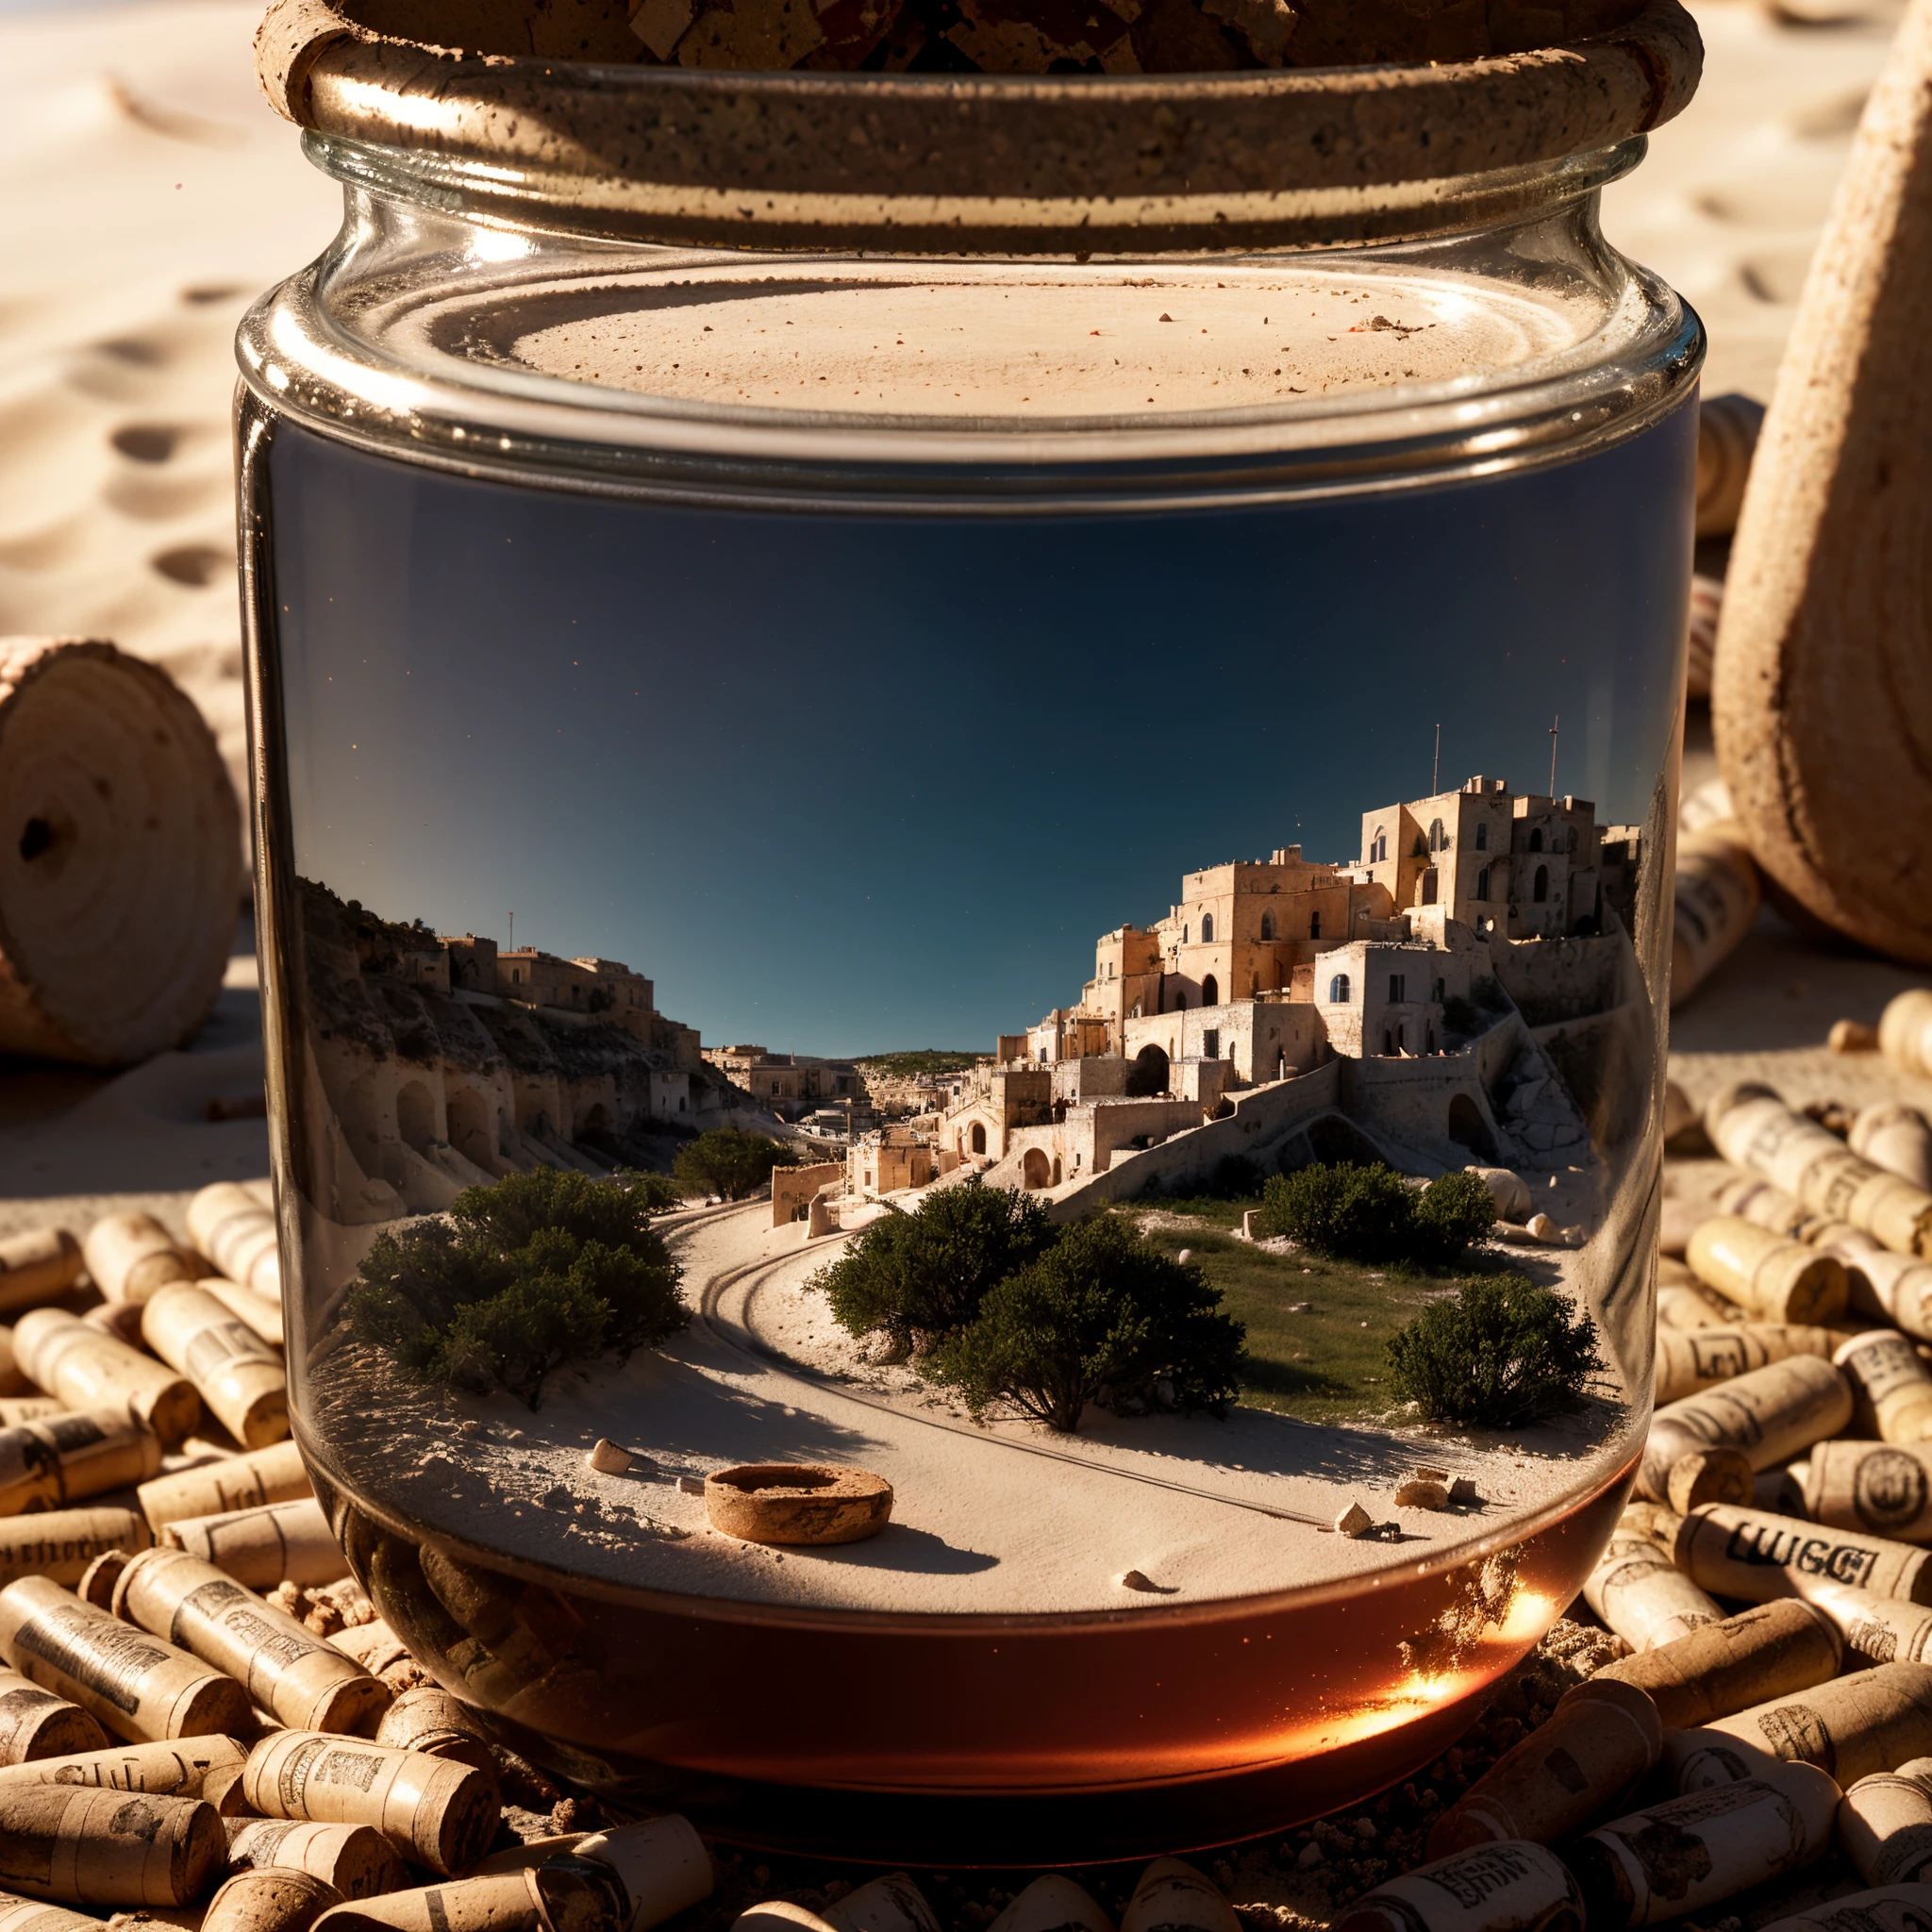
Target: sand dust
pixel 1062 343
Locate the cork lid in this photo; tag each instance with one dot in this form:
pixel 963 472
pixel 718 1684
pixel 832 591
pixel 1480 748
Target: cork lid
pixel 604 135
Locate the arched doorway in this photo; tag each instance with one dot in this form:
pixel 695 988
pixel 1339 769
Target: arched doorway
pixel 468 1126
pixel 1468 1128
pixel 979 1137
pixel 1055 1169
pixel 1148 1076
pixel 416 1115
pixel 1035 1171
pixel 1210 992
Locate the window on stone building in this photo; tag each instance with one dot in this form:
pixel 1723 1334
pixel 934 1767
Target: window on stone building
pixel 1210 992
pixel 1337 989
pixel 1536 839
pixel 1569 843
pixel 1395 994
pixel 1429 887
pixel 1482 882
pixel 1314 926
pixel 1540 891
pixel 1254 986
pixel 1267 925
pixel 1439 838
pixel 1210 1043
pixel 1183 933
pixel 1441 990
pixel 1482 838
pixel 1207 928
pixel 1378 846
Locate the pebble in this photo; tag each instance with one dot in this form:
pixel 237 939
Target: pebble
pixel 607 1458
pixel 1137 1579
pixel 1353 1521
pixel 1421 1494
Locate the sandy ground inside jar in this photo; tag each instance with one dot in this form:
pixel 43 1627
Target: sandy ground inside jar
pixel 1006 1518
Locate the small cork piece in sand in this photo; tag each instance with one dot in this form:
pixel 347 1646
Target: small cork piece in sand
pixel 607 1458
pixel 1766 1651
pixel 1602 1736
pixel 797 1502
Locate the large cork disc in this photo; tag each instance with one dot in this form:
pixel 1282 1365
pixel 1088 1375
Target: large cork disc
pixel 1821 692
pixel 797 1502
pixel 120 855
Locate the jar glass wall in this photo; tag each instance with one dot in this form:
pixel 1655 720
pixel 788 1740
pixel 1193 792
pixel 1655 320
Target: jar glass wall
pixel 1227 706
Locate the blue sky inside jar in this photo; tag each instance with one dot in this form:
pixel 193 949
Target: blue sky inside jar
pixel 848 784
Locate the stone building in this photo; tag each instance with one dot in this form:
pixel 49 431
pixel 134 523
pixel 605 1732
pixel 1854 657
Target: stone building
pixel 884 1162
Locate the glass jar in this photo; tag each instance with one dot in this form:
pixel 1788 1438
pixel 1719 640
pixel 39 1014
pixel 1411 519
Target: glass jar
pixel 659 642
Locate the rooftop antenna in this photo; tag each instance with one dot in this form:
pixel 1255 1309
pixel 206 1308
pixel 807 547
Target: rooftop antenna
pixel 512 946
pixel 1436 770
pixel 1555 721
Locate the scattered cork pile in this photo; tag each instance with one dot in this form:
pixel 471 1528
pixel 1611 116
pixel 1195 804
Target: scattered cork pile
pixel 994 36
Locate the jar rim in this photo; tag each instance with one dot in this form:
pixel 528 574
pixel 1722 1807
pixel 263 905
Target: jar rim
pixel 928 164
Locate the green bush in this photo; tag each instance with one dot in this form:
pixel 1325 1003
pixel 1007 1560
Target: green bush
pixel 1367 1213
pixel 1101 1308
pixel 728 1161
pixel 917 1277
pixel 1501 1353
pixel 1452 1214
pixel 523 1276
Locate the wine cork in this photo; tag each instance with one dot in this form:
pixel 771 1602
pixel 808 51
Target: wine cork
pixel 122 1320
pixel 105 1847
pixel 661 1868
pixel 33 1915
pixel 1517 1885
pixel 270 1900
pixel 233 1370
pixel 29 1409
pixel 431 1720
pixel 1876 1629
pixel 1895 1907
pixel 1754 1556
pixel 358 1862
pixel 1885 1824
pixel 130 1255
pixel 89 1370
pixel 141 1689
pixel 49 1464
pixel 61 1544
pixel 1691 1359
pixel 1700 636
pixel 1602 1736
pixel 279 1543
pixel 1691 1304
pixel 1890 1388
pixel 1752 1128
pixel 1727 432
pixel 1768 1276
pixel 1895 1137
pixel 1850 1728
pixel 559 1893
pixel 373 1644
pixel 1671 1860
pixel 221 1488
pixel 1641 1595
pixel 1905 1032
pixel 1871 1486
pixel 1055 1904
pixel 97 1581
pixel 1767 1415
pixel 1753 1198
pixel 1714 900
pixel 37 1724
pixel 1764 1653
pixel 1895 1287
pixel 37 1267
pixel 262 1318
pixel 297 1677
pixel 175 1768
pixel 433 1810
pixel 238 1234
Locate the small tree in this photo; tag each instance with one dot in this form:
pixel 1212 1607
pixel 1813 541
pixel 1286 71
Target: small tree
pixel 918 1277
pixel 1358 1212
pixel 1101 1307
pixel 522 1276
pixel 1502 1353
pixel 727 1161
pixel 1372 1214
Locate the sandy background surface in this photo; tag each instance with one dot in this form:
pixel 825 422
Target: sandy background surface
pixel 153 194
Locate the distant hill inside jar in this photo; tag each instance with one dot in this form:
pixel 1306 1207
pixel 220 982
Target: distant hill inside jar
pixel 1111 37
pixel 1003 341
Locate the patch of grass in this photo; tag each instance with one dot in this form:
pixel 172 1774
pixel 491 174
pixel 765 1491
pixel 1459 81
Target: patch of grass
pixel 1209 1209
pixel 924 1060
pixel 1325 1365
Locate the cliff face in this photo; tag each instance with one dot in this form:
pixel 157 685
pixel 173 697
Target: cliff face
pixel 410 1094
